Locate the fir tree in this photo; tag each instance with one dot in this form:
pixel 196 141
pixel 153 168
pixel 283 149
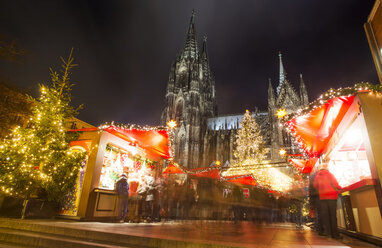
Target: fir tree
pixel 38 160
pixel 250 148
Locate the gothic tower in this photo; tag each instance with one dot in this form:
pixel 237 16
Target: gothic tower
pixel 287 98
pixel 190 99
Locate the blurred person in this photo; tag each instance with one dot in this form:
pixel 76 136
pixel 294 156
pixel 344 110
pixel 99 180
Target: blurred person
pixel 122 188
pixel 314 202
pixel 297 199
pixel 328 189
pixel 142 192
pixel 149 200
pixel 237 197
pixel 157 204
pixel 188 200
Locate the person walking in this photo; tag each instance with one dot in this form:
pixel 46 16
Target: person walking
pixel 314 202
pixel 122 188
pixel 298 196
pixel 328 189
pixel 149 200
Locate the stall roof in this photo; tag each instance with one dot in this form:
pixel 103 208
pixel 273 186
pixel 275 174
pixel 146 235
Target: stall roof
pixel 314 129
pixel 173 169
pixel 153 141
pixel 243 179
pixel 210 172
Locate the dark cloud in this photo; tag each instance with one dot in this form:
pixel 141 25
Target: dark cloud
pixel 125 48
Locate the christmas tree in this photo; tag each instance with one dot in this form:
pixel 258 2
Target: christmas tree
pixel 250 149
pixel 37 161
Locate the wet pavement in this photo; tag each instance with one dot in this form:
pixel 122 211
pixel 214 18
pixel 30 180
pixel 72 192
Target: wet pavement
pixel 241 234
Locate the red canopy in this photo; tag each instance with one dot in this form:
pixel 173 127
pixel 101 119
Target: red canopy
pixel 173 169
pixel 243 179
pixel 315 128
pixel 304 165
pixel 155 142
pixel 211 172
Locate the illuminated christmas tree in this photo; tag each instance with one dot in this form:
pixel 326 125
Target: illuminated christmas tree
pixel 250 147
pixel 37 161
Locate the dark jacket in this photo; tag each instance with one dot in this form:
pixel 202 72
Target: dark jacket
pixel 122 187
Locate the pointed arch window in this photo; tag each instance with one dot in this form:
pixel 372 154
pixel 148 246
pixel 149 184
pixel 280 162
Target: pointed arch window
pixel 181 148
pixel 179 111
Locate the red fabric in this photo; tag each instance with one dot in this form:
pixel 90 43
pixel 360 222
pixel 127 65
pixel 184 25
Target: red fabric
pixel 212 172
pixel 362 183
pixel 315 128
pixel 247 180
pixel 155 142
pixel 303 165
pixel 172 169
pixel 327 185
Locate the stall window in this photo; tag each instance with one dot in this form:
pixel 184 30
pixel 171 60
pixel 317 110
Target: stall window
pixel 118 161
pixel 348 161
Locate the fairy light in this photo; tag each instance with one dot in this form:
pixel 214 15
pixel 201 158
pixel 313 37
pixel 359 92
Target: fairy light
pixel 321 100
pixel 34 155
pixel 281 113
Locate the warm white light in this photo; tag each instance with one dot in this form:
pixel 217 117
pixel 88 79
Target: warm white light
pixel 282 152
pixel 171 124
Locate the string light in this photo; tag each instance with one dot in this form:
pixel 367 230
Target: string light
pixel 321 100
pixel 38 156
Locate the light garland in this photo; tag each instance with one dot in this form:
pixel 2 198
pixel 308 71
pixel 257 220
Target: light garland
pixel 333 93
pixel 38 159
pixel 132 127
pixel 321 100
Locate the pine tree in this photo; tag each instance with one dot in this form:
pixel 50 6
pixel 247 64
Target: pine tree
pixel 37 160
pixel 250 147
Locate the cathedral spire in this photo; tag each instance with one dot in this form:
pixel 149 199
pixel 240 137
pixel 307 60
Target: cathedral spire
pixel 191 47
pixel 204 59
pixel 282 76
pixel 271 97
pixel 303 92
pixel 204 49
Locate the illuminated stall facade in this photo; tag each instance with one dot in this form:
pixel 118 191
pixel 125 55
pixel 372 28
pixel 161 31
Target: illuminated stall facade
pixel 111 151
pixel 346 131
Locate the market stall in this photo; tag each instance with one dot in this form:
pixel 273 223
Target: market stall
pixel 344 127
pixel 111 151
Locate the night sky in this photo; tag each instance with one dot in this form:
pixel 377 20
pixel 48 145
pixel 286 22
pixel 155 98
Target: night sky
pixel 125 48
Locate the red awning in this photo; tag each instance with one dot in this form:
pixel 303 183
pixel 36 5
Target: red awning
pixel 210 172
pixel 304 165
pixel 173 169
pixel 315 128
pixel 243 179
pixel 155 142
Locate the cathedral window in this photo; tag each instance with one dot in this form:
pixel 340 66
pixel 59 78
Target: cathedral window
pixel 181 148
pixel 179 111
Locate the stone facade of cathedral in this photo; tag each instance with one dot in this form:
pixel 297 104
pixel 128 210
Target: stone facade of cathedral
pixel 201 136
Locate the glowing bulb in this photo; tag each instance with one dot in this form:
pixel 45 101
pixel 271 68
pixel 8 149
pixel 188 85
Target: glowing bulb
pixel 281 113
pixel 171 124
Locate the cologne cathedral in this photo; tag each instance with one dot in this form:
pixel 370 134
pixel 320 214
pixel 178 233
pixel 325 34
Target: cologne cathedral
pixel 202 136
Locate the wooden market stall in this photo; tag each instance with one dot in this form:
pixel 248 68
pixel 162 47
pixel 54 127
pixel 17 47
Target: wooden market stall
pixel 346 131
pixel 111 151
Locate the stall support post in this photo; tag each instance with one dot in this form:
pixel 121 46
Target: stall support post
pixel 348 212
pixel 371 106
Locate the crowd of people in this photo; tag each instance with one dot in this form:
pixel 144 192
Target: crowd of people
pixel 173 199
pixel 157 198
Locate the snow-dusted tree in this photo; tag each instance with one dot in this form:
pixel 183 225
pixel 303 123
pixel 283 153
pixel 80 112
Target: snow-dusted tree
pixel 250 147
